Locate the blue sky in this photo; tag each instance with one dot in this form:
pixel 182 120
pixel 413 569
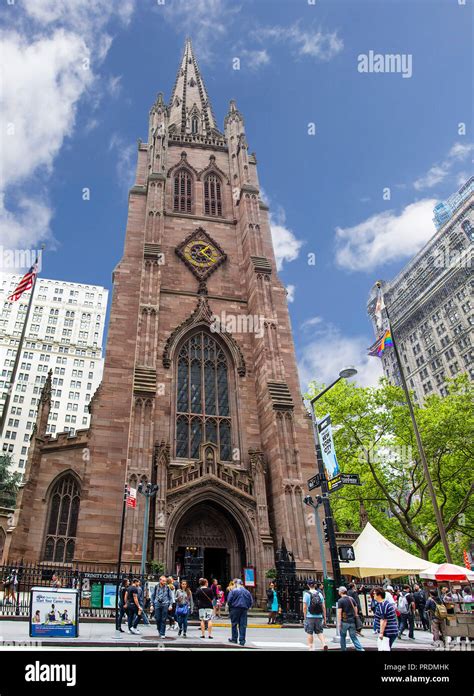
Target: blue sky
pixel 82 76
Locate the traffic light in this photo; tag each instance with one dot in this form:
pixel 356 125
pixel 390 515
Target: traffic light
pixel 325 531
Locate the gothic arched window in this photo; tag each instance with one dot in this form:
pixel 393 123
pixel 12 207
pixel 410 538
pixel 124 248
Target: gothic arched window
pixel 202 397
pixel 194 125
pixel 212 195
pixel 183 191
pixel 62 519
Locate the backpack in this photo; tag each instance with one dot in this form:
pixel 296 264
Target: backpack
pixel 315 603
pixel 441 612
pixel 403 604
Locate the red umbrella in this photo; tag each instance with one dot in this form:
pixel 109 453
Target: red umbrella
pixel 448 572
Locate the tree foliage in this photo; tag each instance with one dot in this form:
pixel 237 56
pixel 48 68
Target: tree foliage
pixel 9 482
pixel 374 438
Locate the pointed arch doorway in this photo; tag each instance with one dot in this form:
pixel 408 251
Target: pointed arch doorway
pixel 208 542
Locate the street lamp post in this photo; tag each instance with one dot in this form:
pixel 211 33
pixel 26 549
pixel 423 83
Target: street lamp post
pixel 324 498
pixel 343 374
pixel 148 491
pixel 315 504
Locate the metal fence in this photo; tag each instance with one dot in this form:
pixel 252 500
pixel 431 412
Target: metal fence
pixel 17 579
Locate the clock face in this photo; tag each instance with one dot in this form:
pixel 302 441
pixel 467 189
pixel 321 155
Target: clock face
pixel 201 254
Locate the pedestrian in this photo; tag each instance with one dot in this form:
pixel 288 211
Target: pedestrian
pixel 142 602
pixel 353 593
pixel 55 581
pixel 420 604
pixel 230 587
pixel 204 599
pixel 346 619
pixel 406 607
pixel 373 605
pixel 121 611
pixel 314 613
pixel 437 612
pixel 220 597
pixel 453 599
pixel 184 607
pixel 468 598
pixel 133 607
pixel 385 618
pixel 171 613
pixel 162 602
pixel 389 596
pixel 214 584
pixel 272 603
pixel 239 601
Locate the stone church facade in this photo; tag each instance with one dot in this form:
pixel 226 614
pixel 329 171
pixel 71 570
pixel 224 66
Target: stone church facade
pixel 200 392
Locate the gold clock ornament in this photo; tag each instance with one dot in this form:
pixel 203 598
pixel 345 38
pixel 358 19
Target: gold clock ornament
pixel 201 253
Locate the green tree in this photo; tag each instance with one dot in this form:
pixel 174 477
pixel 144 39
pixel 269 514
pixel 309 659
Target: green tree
pixel 374 438
pixel 9 482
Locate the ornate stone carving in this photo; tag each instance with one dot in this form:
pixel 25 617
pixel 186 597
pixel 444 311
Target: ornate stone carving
pixel 203 315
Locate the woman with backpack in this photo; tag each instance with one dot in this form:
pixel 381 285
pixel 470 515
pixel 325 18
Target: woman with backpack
pixel 438 614
pixel 184 607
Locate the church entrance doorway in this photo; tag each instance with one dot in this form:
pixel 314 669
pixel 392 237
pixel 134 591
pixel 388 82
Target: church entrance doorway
pixel 209 543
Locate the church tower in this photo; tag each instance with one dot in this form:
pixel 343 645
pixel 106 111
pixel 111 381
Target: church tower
pixel 200 392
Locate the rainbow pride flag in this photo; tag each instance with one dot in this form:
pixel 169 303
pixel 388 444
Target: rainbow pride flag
pixel 381 344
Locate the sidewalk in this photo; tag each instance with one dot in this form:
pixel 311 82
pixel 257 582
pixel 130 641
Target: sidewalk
pixel 14 635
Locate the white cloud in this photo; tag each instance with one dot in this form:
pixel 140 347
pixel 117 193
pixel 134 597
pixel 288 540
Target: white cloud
pixel 309 323
pixel 385 237
pixel 29 223
pixel 285 244
pixel 83 16
pixel 41 88
pixel 255 59
pixel 290 289
pixel 304 42
pixel 441 170
pixel 330 351
pixel 53 49
pixel 206 21
pixel 126 160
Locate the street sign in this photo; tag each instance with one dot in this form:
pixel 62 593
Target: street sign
pixel 346 553
pixel 335 483
pixel 351 479
pixel 314 482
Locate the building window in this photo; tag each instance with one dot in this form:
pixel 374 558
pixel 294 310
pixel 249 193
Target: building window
pixel 468 229
pixel 202 398
pixel 62 518
pixel 183 191
pixel 212 195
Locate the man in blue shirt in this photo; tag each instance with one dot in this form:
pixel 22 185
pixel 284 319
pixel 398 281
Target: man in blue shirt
pixel 314 612
pixel 239 602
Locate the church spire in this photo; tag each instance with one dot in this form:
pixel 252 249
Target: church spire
pixel 190 108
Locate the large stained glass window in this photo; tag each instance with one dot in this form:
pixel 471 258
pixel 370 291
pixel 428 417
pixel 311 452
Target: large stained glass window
pixel 61 528
pixel 202 397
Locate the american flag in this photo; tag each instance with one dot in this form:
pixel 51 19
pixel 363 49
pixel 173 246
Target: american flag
pixel 26 283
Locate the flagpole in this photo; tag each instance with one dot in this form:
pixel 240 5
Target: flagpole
pixel 6 405
pixel 439 518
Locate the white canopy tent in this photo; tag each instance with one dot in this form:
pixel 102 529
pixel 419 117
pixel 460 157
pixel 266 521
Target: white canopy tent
pixel 376 556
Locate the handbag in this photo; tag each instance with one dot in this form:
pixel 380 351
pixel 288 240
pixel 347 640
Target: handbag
pixel 182 609
pixel 359 624
pixel 383 644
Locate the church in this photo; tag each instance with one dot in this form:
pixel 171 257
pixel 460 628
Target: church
pixel 200 392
